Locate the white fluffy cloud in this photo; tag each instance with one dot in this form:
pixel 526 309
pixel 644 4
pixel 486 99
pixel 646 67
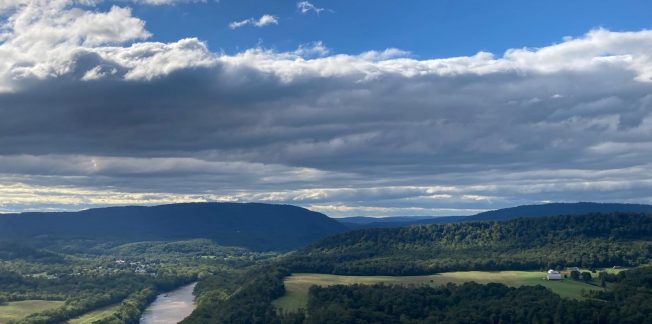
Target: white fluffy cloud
pixel 98 114
pixel 43 40
pixel 264 20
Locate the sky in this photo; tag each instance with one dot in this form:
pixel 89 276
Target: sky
pixel 349 108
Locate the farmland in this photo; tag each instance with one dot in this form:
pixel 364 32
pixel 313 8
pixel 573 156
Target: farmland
pixel 19 309
pixel 297 285
pixel 95 315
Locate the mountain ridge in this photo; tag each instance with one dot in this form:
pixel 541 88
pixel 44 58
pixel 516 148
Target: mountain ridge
pixel 253 225
pixel 538 210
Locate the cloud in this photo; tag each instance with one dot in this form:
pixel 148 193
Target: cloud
pixel 315 49
pixel 306 7
pixel 46 40
pixel 92 110
pixel 6 5
pixel 264 20
pixel 166 2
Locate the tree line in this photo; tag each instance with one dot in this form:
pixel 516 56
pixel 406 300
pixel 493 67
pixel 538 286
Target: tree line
pixel 590 241
pixel 630 301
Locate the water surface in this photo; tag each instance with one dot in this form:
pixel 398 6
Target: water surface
pixel 170 307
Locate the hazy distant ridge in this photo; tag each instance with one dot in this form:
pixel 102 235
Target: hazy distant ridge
pixel 256 226
pixel 544 210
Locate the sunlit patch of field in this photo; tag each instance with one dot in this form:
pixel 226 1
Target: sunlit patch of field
pixel 13 311
pixel 297 285
pixel 95 315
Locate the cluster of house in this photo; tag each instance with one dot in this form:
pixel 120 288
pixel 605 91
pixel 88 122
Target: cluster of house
pixel 139 268
pixel 43 275
pixel 556 275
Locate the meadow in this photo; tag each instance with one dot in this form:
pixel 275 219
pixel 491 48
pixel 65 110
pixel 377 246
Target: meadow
pixel 297 285
pixel 95 315
pixel 17 310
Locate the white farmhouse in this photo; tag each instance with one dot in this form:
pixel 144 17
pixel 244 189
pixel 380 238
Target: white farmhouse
pixel 554 275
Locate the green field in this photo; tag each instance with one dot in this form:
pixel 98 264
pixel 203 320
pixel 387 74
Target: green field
pixel 95 315
pixel 297 285
pixel 12 311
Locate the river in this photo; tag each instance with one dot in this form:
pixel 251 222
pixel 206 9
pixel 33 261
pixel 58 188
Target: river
pixel 170 307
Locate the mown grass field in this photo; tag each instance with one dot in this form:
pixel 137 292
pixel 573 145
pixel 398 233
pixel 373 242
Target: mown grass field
pixel 95 315
pixel 297 285
pixel 13 311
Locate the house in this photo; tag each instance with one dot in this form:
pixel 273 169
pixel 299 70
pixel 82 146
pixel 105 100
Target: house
pixel 553 275
pixel 574 269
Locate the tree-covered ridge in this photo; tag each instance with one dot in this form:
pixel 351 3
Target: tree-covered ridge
pixel 264 227
pixel 542 210
pixel 15 251
pixel 594 240
pixel 246 298
pixel 555 209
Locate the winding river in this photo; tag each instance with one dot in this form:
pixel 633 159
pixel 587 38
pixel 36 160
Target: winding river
pixel 170 307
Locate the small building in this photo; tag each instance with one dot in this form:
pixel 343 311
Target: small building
pixel 574 269
pixel 553 275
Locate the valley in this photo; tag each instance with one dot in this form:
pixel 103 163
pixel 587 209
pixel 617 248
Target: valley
pixel 325 162
pixel 63 277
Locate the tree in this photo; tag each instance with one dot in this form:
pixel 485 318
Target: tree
pixel 603 284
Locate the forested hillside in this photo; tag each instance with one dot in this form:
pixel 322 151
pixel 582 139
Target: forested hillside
pixel 594 240
pixel 255 226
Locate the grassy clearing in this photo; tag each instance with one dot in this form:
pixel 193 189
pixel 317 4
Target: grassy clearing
pixel 297 285
pixel 95 315
pixel 13 311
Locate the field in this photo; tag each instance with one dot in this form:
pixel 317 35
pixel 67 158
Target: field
pixel 17 310
pixel 95 315
pixel 297 285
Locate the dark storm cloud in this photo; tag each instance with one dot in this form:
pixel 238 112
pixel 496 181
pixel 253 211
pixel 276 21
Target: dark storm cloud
pixel 413 124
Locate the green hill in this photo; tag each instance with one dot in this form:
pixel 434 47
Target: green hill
pixel 594 240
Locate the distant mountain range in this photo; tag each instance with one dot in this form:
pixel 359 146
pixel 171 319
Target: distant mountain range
pixel 552 209
pixel 262 227
pixel 255 226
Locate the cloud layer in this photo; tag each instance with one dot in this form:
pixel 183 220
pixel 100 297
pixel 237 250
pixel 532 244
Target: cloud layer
pixel 91 113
